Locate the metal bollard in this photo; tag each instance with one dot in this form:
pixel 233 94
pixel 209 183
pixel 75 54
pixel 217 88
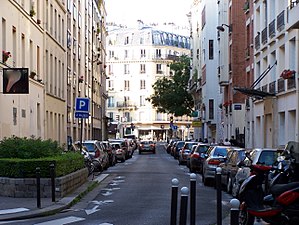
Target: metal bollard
pixel 174 201
pixel 38 202
pixel 184 206
pixel 52 174
pixel 192 198
pixel 219 197
pixel 234 211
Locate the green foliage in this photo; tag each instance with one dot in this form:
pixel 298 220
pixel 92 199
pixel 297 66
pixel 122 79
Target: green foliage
pixel 171 93
pixel 19 157
pixel 28 148
pixel 26 168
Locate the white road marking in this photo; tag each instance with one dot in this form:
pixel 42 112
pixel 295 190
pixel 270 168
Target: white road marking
pixel 93 210
pixel 106 224
pixel 66 220
pixel 15 210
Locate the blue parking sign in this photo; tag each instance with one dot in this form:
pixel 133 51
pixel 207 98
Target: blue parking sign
pixel 82 105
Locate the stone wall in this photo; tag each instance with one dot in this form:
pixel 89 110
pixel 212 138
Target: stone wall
pixel 26 187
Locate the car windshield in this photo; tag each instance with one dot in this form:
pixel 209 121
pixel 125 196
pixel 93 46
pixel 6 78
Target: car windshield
pixel 267 158
pixel 220 151
pixel 90 146
pixel 189 145
pixel 115 145
pixel 146 142
pixel 180 144
pixel 202 149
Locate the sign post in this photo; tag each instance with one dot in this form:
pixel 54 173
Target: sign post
pixel 82 112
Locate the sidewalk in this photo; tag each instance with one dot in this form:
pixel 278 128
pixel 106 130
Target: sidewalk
pixel 24 208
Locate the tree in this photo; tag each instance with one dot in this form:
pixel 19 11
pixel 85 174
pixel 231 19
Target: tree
pixel 171 93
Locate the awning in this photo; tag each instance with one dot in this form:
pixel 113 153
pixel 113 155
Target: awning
pixel 253 92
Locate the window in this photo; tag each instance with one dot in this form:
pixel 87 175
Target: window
pixel 110 69
pixel 111 85
pixel 142 100
pixel 142 68
pixel 126 54
pixel 211 49
pixel 142 84
pixel 159 68
pixel 14 115
pixel 158 53
pixel 126 69
pixel 111 54
pixel 141 40
pixel 142 53
pixel 110 101
pixel 127 85
pixel 126 40
pixel 211 109
pixel 23 113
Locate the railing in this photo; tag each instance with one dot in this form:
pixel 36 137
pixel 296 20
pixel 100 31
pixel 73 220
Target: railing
pixel 264 35
pixel 280 21
pixel 291 83
pixel 272 87
pixel 125 104
pixel 272 28
pixel 257 41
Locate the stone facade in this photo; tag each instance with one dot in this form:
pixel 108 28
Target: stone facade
pixel 26 187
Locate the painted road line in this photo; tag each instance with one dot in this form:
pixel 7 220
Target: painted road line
pixel 15 210
pixel 66 220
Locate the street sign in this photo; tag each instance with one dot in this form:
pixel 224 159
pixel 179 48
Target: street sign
pixel 82 105
pixel 81 115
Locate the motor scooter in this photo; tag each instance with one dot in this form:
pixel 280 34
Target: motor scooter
pixel 281 206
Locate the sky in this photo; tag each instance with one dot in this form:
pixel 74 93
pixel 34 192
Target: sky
pixel 127 12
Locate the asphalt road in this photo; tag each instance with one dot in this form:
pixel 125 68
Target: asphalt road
pixel 138 192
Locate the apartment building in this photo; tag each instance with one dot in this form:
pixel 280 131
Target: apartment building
pixel 136 58
pixel 231 69
pixel 22 46
pixel 85 67
pixel 276 50
pixel 59 48
pixel 203 83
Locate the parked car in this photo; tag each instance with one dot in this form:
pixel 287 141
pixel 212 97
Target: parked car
pixel 111 153
pixel 120 153
pixel 265 157
pixel 147 146
pixel 189 155
pixel 230 167
pixel 197 157
pixel 184 152
pixel 214 156
pixel 169 146
pixel 176 148
pixel 125 144
pixel 96 150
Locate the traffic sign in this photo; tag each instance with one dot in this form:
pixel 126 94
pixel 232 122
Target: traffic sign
pixel 82 105
pixel 82 115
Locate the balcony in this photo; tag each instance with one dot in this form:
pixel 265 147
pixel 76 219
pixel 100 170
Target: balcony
pixel 126 105
pixel 257 41
pixel 280 21
pixel 272 29
pixel 292 16
pixel 264 36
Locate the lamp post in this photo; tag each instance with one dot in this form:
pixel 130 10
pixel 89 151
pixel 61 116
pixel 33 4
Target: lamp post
pixel 221 27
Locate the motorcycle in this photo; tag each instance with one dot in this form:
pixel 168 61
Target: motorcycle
pixel 281 205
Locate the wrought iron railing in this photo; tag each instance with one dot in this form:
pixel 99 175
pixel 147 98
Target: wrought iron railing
pixel 272 28
pixel 280 21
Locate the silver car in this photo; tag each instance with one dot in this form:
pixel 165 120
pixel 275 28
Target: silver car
pixel 214 156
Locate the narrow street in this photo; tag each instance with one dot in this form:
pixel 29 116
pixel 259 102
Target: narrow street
pixel 138 192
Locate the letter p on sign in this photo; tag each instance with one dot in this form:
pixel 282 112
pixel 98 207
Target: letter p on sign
pixel 82 104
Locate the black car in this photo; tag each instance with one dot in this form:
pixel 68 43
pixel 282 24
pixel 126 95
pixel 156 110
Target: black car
pixel 230 167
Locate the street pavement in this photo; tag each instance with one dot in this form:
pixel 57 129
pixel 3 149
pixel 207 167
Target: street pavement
pixel 25 208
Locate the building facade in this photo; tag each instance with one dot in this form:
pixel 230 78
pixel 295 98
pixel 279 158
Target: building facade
pixel 137 57
pixel 61 47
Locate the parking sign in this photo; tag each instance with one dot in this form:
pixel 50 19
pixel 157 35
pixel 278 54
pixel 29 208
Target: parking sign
pixel 82 105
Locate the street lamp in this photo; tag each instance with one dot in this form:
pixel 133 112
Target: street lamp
pixel 221 28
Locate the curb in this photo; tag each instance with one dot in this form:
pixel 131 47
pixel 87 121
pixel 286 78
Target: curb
pixel 60 205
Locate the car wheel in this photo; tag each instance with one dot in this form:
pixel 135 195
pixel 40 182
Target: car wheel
pixel 229 185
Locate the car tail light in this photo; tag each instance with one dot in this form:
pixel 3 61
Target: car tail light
pixel 195 156
pixel 214 162
pixel 119 151
pixel 97 154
